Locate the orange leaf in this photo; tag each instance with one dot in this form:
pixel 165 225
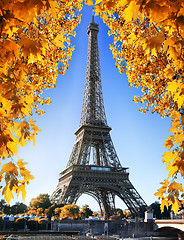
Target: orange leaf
pixel 89 2
pixel 176 205
pixel 175 186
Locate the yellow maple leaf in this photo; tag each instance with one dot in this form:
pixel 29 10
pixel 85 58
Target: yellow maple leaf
pixel 98 1
pixel 168 156
pixel 58 41
pixel 163 204
pixel 26 174
pixel 89 2
pixel 159 194
pixel 13 147
pixel 9 167
pixel 20 163
pixel 156 41
pixel 21 188
pixel 179 138
pixel 131 12
pixel 175 186
pixel 168 42
pixel 173 86
pixel 53 6
pixel 32 58
pixel 172 168
pixel 168 143
pixel 180 101
pixel 98 10
pixel 23 124
pixel 132 37
pixel 174 126
pixel 176 205
pixel 162 189
pixel 173 53
pixel 7 192
pixel 122 2
pixel 32 138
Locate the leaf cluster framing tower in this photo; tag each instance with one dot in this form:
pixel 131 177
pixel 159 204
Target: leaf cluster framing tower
pixel 93 167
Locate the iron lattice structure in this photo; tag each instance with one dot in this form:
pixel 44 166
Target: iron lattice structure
pixel 93 167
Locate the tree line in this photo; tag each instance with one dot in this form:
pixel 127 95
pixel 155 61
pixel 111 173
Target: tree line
pixel 42 206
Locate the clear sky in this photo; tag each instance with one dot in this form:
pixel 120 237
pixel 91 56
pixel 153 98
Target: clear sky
pixel 138 138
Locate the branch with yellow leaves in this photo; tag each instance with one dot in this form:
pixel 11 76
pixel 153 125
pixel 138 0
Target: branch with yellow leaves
pixel 35 47
pixel 148 44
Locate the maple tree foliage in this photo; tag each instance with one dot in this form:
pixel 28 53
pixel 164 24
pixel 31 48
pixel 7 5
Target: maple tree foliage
pixel 71 210
pixel 85 212
pixel 148 43
pixel 42 201
pixel 35 47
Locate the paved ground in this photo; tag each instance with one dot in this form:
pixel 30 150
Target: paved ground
pixel 14 237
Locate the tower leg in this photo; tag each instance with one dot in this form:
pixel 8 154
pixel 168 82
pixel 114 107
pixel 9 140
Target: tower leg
pixel 108 204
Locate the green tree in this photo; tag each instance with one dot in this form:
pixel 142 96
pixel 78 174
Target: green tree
pixel 74 211
pixel 86 211
pixel 42 201
pixel 18 208
pixel 157 211
pixel 4 207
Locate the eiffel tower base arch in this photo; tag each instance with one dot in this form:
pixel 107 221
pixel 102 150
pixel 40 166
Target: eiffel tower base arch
pixel 103 184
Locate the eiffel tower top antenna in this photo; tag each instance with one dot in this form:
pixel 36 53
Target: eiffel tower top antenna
pixel 93 15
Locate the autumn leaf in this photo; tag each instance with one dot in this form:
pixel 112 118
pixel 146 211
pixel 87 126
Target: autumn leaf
pixel 8 195
pixel 98 1
pixel 174 186
pixel 54 7
pixel 170 41
pixel 163 204
pixel 122 2
pixel 26 174
pixel 172 169
pixel 98 10
pixel 168 143
pixel 21 188
pixel 89 2
pixel 156 41
pixel 20 163
pixel 9 167
pixel 162 190
pixel 169 156
pixel 131 12
pixel 58 41
pixel 172 86
pixel 175 206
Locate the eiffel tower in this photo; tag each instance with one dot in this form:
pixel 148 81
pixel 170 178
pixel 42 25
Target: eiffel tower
pixel 93 167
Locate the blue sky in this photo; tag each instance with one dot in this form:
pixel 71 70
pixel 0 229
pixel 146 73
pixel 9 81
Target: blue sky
pixel 138 138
